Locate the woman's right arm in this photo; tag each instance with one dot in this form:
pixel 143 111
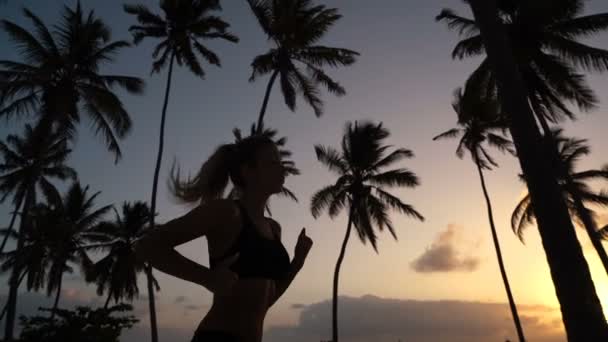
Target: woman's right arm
pixel 158 246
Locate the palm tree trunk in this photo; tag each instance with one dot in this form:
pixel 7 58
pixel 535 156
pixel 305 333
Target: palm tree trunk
pixel 14 281
pixel 501 265
pixel 581 310
pixel 334 303
pixel 159 158
pixel 108 300
pixel 265 103
pixel 10 226
pixel 148 268
pixel 4 309
pixel 57 297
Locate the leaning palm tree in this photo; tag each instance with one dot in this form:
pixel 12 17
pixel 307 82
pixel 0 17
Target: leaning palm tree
pixel 545 42
pixel 59 79
pixel 295 28
pixel 580 306
pixel 30 162
pixel 182 29
pixel 479 122
pixel 577 193
pixel 360 187
pixel 117 271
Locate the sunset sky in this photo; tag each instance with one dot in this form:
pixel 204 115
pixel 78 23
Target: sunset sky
pixel 439 280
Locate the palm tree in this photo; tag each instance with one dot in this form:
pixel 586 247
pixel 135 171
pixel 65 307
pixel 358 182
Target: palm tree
pixel 478 125
pixel 575 191
pixel 31 159
pixel 63 228
pixel 184 25
pixel 544 41
pixel 117 271
pixel 361 188
pixel 581 310
pixel 295 27
pixel 288 165
pixel 59 79
pixel 30 162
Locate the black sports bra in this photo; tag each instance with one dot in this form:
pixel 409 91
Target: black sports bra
pixel 259 257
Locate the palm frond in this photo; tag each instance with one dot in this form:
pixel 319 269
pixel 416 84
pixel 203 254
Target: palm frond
pixel 331 158
pixel 395 203
pixel 465 27
pixel 398 177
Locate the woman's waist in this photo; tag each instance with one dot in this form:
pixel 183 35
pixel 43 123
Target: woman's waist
pixel 250 296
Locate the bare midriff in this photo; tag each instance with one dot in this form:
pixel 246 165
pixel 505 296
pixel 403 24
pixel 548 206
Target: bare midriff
pixel 241 312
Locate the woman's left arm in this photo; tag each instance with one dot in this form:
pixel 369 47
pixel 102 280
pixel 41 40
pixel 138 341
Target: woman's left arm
pixel 301 252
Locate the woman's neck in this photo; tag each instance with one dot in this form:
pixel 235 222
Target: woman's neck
pixel 255 203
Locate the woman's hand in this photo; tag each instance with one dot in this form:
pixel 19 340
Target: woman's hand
pixel 222 279
pixel 303 246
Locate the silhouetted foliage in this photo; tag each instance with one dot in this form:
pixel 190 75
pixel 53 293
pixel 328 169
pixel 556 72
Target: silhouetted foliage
pixel 361 188
pixel 117 271
pixel 544 36
pixel 295 28
pixel 83 324
pixel 570 150
pixel 59 79
pixel 29 162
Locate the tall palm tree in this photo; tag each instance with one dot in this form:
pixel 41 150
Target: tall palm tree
pixel 478 125
pixel 59 79
pixel 361 187
pixel 580 306
pixel 575 191
pixel 182 29
pixel 295 28
pixel 545 43
pixel 288 164
pixel 117 271
pixel 30 162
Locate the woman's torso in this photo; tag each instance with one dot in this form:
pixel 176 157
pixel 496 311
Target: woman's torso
pixel 262 260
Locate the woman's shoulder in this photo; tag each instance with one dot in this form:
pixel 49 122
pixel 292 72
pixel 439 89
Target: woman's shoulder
pixel 220 212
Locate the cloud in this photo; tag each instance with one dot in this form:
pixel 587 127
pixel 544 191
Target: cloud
pixel 298 306
pixel 443 256
pixel 180 299
pixel 371 318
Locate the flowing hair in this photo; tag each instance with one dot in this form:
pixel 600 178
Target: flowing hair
pixel 223 165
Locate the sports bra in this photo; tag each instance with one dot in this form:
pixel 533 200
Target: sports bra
pixel 259 257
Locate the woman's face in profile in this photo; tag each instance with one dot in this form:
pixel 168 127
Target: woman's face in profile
pixel 268 172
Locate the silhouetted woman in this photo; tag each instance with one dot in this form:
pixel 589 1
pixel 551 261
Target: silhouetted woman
pixel 249 267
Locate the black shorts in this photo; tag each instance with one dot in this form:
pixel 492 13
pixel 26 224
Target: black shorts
pixel 214 336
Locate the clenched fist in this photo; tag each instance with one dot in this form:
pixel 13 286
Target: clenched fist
pixel 302 248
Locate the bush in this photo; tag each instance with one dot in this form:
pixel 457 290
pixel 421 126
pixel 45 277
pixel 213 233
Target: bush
pixel 83 324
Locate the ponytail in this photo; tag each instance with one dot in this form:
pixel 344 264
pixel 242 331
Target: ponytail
pixel 209 183
pixel 212 179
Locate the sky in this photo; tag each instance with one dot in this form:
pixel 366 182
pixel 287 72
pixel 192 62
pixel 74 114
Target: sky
pixel 440 278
